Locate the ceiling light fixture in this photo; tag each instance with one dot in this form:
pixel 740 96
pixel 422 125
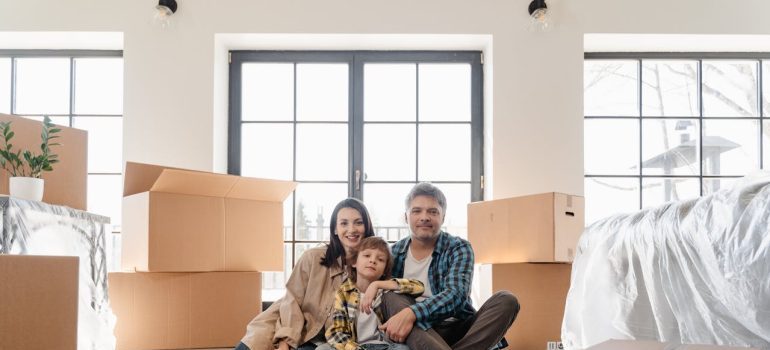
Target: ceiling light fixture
pixel 539 17
pixel 163 13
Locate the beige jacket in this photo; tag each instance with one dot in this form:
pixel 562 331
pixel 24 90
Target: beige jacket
pixel 303 311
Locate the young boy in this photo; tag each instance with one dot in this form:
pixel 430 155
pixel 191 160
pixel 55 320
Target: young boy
pixel 355 325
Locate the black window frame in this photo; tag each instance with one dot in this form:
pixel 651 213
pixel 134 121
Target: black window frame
pixel 356 61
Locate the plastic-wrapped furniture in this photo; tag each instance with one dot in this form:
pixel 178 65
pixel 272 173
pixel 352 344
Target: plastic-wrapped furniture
pixel 695 271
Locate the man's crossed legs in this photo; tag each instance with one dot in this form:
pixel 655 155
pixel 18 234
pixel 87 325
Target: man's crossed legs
pixel 481 331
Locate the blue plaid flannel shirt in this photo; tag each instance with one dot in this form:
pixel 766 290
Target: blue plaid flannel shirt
pixel 450 275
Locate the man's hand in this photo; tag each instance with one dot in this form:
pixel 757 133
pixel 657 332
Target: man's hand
pixel 283 345
pixel 400 325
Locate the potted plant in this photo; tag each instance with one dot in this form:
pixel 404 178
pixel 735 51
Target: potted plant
pixel 24 166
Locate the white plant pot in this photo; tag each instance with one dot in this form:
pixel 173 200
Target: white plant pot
pixel 28 188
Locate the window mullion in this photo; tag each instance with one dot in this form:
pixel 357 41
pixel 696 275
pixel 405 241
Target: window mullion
pixel 356 127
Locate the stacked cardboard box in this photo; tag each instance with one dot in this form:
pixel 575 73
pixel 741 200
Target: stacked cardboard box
pixel 38 302
pixel 527 245
pixel 195 242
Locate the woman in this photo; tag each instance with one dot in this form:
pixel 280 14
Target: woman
pixel 297 320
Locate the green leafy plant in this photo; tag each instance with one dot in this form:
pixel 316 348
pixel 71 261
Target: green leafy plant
pixel 24 162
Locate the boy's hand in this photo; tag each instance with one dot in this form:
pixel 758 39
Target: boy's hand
pixel 368 297
pixel 283 345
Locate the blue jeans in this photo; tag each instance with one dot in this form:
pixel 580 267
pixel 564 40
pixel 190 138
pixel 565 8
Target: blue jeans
pixel 306 346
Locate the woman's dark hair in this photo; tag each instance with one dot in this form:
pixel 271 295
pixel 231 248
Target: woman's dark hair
pixel 378 244
pixel 335 248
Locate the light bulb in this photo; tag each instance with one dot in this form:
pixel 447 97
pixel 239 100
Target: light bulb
pixel 540 20
pixel 163 12
pixel 162 17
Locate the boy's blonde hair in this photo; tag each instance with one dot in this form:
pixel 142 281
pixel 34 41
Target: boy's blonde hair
pixel 378 244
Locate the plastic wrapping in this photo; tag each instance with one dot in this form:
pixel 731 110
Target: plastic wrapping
pixel 37 228
pixel 694 271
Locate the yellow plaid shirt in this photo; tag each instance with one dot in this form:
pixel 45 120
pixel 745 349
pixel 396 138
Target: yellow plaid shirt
pixel 342 334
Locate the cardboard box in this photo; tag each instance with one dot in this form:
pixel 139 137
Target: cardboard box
pixel 177 220
pixel 537 228
pixel 542 293
pixel 38 302
pixel 67 183
pixel 654 345
pixel 183 310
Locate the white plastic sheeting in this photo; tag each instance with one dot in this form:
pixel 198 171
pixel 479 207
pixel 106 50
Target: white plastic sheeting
pixel 694 271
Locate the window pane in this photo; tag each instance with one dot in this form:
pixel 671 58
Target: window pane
pixel 315 203
pixel 105 195
pixel 670 147
pixel 611 146
pixel 5 85
pixel 267 150
pixel 730 89
pixel 322 92
pixel 656 191
pixel 609 196
pixel 610 88
pixel 670 88
pixel 444 152
pixel 386 206
pixel 267 91
pixel 766 144
pixel 105 143
pixel 390 92
pixel 98 86
pixel 322 152
pixel 711 185
pixel 42 86
pixel 389 152
pixel 457 196
pixel 445 92
pixel 730 147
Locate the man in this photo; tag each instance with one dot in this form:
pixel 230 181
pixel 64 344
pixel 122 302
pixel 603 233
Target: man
pixel 443 317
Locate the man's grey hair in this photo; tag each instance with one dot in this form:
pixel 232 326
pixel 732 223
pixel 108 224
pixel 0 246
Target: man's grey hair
pixel 426 189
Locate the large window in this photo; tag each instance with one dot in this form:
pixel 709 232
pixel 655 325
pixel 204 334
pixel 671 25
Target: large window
pixel 361 124
pixel 664 127
pixel 81 89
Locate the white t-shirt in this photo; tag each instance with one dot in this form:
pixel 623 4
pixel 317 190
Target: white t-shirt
pixel 418 269
pixel 367 329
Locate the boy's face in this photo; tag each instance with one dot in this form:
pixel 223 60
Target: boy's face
pixel 370 264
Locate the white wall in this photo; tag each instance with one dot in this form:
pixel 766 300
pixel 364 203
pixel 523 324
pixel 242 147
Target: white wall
pixel 175 83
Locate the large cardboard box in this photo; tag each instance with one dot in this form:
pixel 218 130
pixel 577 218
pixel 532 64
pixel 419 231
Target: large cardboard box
pixel 177 220
pixel 183 310
pixel 67 183
pixel 654 345
pixel 38 302
pixel 542 293
pixel 537 228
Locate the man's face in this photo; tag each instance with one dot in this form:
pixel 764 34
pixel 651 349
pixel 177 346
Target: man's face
pixel 425 218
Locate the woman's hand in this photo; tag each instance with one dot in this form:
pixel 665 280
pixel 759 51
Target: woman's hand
pixel 368 298
pixel 283 345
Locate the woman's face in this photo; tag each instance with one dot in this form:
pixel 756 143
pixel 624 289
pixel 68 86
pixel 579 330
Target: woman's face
pixel 350 228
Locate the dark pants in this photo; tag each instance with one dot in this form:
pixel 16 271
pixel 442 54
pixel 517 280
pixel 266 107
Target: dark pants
pixel 483 330
pixel 306 346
